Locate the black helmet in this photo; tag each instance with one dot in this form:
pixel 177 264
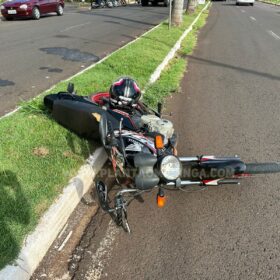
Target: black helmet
pixel 124 91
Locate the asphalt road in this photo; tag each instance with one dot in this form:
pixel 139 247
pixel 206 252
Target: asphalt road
pixel 229 105
pixel 34 55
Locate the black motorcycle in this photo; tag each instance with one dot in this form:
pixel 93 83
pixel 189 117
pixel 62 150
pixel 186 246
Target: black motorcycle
pixel 103 4
pixel 141 146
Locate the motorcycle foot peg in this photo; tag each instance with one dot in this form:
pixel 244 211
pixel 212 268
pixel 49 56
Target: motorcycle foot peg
pixel 161 198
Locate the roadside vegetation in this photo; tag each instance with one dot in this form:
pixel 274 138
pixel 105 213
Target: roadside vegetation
pixel 272 1
pixel 276 2
pixel 38 157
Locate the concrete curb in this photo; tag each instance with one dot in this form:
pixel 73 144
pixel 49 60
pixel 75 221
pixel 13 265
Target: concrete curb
pixel 53 221
pixel 173 51
pixel 37 244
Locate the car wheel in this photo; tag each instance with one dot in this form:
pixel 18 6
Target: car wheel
pixel 59 10
pixel 237 4
pixel 36 13
pixel 252 4
pixel 144 3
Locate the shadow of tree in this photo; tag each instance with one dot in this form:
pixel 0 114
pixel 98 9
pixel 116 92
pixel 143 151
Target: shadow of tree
pixel 237 68
pixel 14 214
pixel 80 146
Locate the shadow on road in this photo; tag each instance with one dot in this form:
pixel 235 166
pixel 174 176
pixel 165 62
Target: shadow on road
pixel 119 18
pixel 51 70
pixel 14 212
pixel 229 4
pixel 71 54
pixel 6 83
pixel 240 69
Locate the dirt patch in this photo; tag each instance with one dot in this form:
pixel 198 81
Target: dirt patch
pixel 41 151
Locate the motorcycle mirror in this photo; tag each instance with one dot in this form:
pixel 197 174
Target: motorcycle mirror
pixel 70 88
pixel 159 108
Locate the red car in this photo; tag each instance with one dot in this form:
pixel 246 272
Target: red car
pixel 31 8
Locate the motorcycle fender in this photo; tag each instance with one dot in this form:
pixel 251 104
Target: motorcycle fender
pixel 79 117
pixel 145 176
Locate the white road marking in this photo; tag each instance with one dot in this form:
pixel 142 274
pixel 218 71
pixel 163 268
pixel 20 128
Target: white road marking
pixel 242 11
pixel 275 36
pixel 252 18
pixel 103 253
pixel 65 241
pixel 75 26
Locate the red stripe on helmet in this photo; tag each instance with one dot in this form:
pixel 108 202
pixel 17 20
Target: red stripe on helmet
pixel 136 87
pixel 118 83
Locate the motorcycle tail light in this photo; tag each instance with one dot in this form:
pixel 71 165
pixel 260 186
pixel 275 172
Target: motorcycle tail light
pixel 159 143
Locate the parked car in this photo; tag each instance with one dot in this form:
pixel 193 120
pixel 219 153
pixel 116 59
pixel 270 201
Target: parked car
pixel 155 2
pixel 250 2
pixel 31 8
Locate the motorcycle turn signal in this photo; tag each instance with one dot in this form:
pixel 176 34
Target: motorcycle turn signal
pixel 161 200
pixel 159 144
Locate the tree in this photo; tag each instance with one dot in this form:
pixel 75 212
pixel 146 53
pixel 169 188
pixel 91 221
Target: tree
pixel 177 12
pixel 191 6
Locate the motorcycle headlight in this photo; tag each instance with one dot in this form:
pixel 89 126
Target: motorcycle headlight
pixel 23 7
pixel 170 168
pixel 2 7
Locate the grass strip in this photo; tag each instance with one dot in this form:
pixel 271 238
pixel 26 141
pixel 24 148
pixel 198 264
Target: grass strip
pixel 38 157
pixel 169 82
pixel 271 1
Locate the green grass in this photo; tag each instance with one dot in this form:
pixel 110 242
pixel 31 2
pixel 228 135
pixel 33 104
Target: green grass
pixel 169 82
pixel 272 1
pixel 38 157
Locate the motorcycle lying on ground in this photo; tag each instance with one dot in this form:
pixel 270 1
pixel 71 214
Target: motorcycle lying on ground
pixel 141 146
pixel 108 3
pixel 103 4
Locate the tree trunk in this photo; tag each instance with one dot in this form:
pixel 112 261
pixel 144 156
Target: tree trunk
pixel 191 6
pixel 177 12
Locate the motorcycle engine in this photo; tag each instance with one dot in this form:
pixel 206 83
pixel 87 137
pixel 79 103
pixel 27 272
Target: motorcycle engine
pixel 156 124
